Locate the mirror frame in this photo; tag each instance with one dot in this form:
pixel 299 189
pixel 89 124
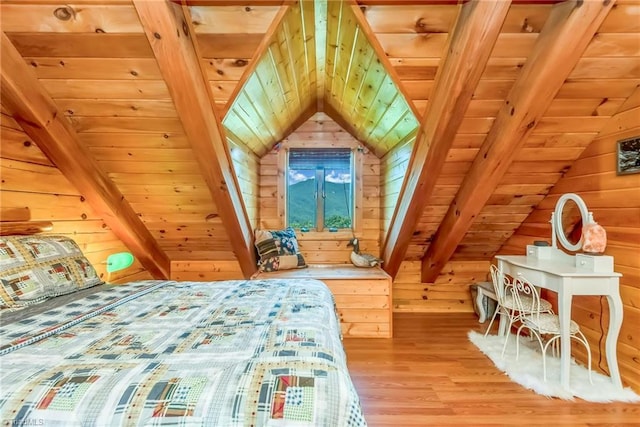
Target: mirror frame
pixel 556 222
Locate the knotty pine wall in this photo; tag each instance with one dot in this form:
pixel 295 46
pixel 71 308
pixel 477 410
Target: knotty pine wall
pixel 246 165
pixel 323 248
pixel 393 167
pixel 615 203
pixel 247 168
pixel 450 291
pixel 34 189
pixel 448 294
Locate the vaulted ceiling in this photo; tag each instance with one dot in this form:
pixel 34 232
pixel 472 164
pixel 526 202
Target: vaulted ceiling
pixel 494 101
pixel 317 56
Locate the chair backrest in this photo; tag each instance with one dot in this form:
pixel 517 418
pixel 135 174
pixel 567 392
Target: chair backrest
pixel 526 297
pixel 500 283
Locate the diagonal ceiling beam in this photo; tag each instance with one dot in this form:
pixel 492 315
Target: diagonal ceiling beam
pixel 562 41
pixel 258 54
pixel 339 118
pixel 470 46
pixel 32 107
pixel 167 30
pixel 382 55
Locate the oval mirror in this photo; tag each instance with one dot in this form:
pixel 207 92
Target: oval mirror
pixel 564 221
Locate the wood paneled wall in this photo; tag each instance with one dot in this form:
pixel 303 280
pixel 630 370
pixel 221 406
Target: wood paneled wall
pixel 615 203
pixel 199 271
pixel 325 247
pixel 448 294
pixel 33 187
pixel 393 167
pixel 246 165
pixel 450 291
pixel 247 168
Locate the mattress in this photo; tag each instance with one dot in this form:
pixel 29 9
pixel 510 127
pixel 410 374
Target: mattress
pixel 156 353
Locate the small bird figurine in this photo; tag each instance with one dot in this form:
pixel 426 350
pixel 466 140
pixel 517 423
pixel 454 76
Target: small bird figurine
pixel 362 260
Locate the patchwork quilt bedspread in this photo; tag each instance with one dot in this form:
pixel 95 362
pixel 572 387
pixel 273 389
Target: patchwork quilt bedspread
pixel 156 353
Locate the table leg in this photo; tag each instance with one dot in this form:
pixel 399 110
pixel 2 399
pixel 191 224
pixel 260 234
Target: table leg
pixel 564 312
pixel 615 322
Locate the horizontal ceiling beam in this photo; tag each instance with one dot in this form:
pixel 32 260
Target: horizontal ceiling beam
pixel 32 107
pixel 470 47
pixel 169 34
pixel 230 2
pixel 562 41
pixel 8 228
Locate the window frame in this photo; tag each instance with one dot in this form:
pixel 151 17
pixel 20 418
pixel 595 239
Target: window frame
pixel 357 151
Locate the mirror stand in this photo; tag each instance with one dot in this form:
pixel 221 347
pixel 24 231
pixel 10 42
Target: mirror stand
pixel 557 231
pixel 593 238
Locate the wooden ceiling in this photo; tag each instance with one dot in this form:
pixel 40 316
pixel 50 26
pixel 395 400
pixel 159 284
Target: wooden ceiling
pixel 316 56
pixel 375 67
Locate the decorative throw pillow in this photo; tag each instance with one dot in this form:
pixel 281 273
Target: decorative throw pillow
pixel 35 268
pixel 278 250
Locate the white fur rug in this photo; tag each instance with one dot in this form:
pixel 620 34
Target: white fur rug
pixel 527 371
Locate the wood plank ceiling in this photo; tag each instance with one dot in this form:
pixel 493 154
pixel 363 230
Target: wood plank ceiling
pixel 372 67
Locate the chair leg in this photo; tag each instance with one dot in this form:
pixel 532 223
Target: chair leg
pixel 507 333
pixel 544 364
pixel 544 356
pixel 504 347
pixel 555 351
pixel 495 313
pixel 580 337
pixel 518 341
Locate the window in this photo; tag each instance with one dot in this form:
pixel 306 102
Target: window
pixel 319 188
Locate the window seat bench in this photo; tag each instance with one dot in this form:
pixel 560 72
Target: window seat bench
pixel 362 295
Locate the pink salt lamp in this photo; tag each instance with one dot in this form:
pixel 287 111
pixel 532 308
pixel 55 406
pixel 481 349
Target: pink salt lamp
pixel 594 237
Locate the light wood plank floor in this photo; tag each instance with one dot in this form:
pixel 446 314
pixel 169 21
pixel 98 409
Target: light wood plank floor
pixel 431 374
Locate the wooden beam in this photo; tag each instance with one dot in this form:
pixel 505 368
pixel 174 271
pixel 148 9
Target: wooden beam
pixel 339 119
pixel 173 46
pixel 32 107
pixel 562 41
pixel 15 214
pixel 300 120
pixel 230 2
pixel 382 56
pixel 320 22
pixel 255 60
pixel 24 227
pixel 471 43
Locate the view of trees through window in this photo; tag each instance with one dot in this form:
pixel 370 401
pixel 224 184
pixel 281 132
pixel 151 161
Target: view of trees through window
pixel 319 189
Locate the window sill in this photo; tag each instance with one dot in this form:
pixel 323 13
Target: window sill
pixel 324 235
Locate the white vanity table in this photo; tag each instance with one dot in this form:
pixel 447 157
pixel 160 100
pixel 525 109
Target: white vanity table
pixel 550 268
pixel 560 274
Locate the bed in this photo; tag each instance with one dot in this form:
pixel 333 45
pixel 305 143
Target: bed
pixel 230 353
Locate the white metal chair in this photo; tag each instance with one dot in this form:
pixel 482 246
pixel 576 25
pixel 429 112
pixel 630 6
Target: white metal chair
pixel 542 324
pixel 503 287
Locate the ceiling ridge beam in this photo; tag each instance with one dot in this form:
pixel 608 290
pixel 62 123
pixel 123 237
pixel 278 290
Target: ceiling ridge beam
pixel 470 45
pixel 258 54
pixel 320 15
pixel 33 108
pixel 561 43
pixel 382 56
pixel 167 30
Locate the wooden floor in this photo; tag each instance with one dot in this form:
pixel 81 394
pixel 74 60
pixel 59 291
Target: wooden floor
pixel 430 374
